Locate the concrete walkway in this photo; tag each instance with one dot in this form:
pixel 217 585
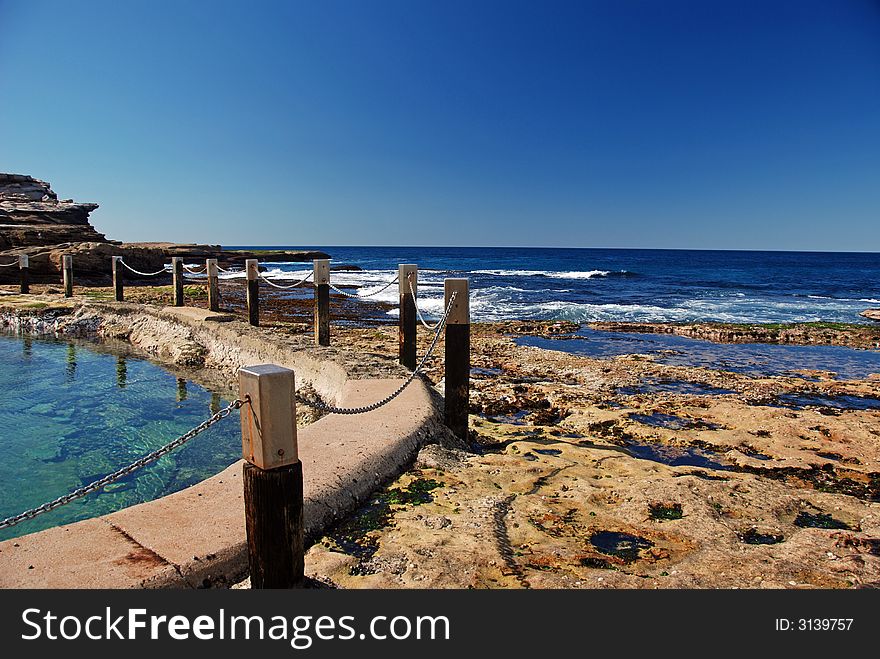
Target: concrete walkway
pixel 196 537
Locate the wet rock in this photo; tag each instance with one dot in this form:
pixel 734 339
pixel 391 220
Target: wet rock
pixel 755 537
pixel 434 456
pixel 662 510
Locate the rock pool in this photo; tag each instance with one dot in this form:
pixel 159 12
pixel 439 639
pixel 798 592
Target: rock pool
pixel 75 411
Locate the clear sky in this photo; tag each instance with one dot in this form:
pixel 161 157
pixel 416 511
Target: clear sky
pixel 613 123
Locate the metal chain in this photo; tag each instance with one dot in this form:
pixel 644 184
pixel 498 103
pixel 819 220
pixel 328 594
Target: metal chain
pixel 197 270
pixel 8 265
pixel 355 295
pixel 419 311
pixel 145 274
pixel 375 406
pixel 116 475
pixel 299 283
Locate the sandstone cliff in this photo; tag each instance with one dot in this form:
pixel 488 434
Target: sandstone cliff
pixel 32 215
pixel 35 222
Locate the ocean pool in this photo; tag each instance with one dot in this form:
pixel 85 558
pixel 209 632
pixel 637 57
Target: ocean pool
pixel 75 411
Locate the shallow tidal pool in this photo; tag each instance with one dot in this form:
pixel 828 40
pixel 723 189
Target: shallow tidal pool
pixel 756 359
pixel 74 412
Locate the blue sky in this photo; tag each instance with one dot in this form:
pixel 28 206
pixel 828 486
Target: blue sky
pixel 752 125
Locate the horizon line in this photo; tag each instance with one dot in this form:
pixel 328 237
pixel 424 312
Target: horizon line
pixel 647 249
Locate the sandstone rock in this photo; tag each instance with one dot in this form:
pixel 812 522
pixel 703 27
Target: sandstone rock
pixel 31 214
pixel 871 314
pixel 34 222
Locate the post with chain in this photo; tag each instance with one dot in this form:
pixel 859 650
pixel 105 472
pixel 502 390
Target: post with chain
pixel 408 284
pixel 177 275
pixel 273 478
pixel 252 269
pixel 213 285
pixel 116 269
pixel 67 274
pixel 458 357
pixel 322 302
pixel 24 271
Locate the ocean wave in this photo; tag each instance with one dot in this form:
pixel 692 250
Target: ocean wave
pixel 504 294
pixel 278 273
pixel 495 304
pixel 869 300
pixel 555 274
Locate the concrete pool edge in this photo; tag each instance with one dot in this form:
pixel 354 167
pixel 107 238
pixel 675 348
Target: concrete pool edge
pixel 195 537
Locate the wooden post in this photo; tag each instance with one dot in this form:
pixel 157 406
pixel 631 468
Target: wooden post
pixel 213 285
pixel 67 269
pixel 458 357
pixel 253 291
pixel 273 479
pixel 116 268
pixel 24 270
pixel 408 273
pixel 177 274
pixel 322 302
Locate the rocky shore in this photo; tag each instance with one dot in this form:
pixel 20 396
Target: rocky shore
pixel 33 221
pixel 625 472
pixel 839 334
pixel 615 472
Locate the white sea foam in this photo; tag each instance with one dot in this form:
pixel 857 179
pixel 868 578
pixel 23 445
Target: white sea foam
pixel 590 274
pixel 499 302
pixel 572 274
pixel 510 273
pixel 495 303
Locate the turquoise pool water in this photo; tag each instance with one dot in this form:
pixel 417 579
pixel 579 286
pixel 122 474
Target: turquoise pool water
pixel 73 412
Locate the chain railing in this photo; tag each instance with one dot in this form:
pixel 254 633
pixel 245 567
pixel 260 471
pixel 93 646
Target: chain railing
pixel 8 265
pixel 195 270
pixel 357 295
pixel 119 473
pixel 330 409
pixel 419 311
pixel 297 284
pixel 165 270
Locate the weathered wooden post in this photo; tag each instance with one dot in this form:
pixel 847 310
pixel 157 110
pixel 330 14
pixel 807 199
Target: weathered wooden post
pixel 273 478
pixel 116 268
pixel 322 302
pixel 458 357
pixel 24 271
pixel 213 285
pixel 67 273
pixel 408 280
pixel 177 275
pixel 253 291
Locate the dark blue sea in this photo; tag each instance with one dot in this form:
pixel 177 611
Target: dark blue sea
pixel 623 284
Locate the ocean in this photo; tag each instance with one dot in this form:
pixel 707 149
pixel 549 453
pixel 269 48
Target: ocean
pixel 620 284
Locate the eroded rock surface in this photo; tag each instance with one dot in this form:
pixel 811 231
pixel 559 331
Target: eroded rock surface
pixel 625 472
pixel 32 215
